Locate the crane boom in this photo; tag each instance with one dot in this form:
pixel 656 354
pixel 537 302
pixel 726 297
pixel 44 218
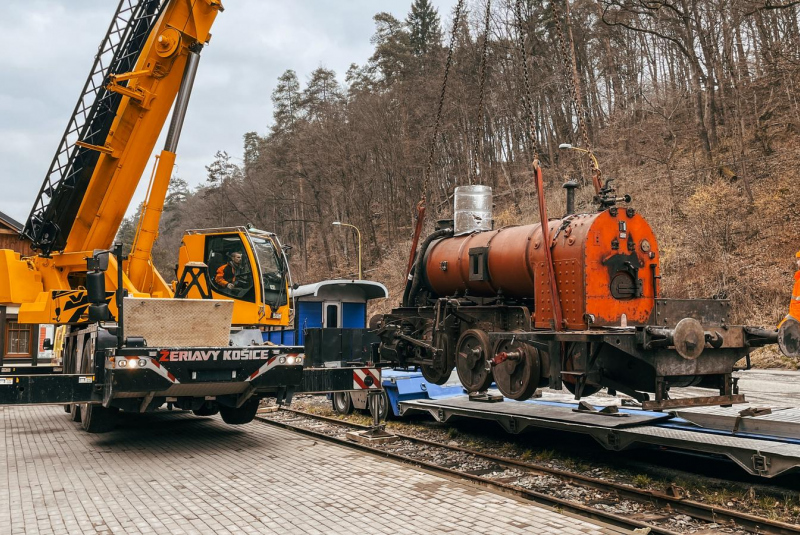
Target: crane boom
pixel 151 89
pixel 109 140
pixel 64 186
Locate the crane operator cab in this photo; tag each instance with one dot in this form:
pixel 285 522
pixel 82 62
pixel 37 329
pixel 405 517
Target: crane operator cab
pixel 246 265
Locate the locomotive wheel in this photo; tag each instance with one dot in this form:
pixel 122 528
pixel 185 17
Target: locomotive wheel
pixel 518 376
pixel 472 360
pixel 435 375
pixel 789 338
pixel 375 322
pixel 568 381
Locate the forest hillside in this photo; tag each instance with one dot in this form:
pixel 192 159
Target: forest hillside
pixel 691 106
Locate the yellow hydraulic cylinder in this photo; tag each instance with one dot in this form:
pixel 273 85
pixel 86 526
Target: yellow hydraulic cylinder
pixel 140 262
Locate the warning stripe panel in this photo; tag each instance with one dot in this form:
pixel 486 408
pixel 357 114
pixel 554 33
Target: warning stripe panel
pixel 151 364
pixel 264 368
pixel 366 379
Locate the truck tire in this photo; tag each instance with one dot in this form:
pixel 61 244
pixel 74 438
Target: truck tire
pixel 242 415
pixel 207 409
pixel 342 403
pixel 75 412
pixel 98 419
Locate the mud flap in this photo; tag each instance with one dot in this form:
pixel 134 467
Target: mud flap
pixel 284 396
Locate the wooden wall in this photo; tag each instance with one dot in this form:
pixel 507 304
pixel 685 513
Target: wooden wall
pixel 9 239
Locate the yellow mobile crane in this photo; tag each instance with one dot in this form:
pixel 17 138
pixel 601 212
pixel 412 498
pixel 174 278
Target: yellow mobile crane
pixel 134 340
pixel 146 63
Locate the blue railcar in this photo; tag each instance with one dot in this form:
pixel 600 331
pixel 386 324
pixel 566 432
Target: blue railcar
pixel 331 304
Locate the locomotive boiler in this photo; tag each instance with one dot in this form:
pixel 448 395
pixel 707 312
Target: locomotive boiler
pixel 482 301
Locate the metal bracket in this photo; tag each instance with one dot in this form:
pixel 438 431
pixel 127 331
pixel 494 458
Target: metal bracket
pixel 484 397
pixel 585 407
pixel 104 149
pixel 512 425
pixel 146 401
pixel 244 396
pixel 693 402
pixel 141 96
pixel 760 463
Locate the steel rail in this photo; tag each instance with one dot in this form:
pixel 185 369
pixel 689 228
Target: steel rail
pixel 697 510
pixel 561 504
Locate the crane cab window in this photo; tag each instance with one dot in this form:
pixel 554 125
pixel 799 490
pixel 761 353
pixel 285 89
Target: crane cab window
pixel 273 279
pixel 229 267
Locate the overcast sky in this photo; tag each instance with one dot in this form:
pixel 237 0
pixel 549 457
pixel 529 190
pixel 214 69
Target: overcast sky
pixel 48 47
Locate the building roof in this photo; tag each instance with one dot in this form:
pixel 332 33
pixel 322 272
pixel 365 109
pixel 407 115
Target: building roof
pixel 370 289
pixel 11 222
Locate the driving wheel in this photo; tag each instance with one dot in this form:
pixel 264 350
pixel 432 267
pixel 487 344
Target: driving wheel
pixel 518 372
pixel 436 374
pixel 472 360
pixel 574 353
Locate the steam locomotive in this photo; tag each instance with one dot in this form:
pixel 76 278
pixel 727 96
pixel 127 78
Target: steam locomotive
pixel 480 301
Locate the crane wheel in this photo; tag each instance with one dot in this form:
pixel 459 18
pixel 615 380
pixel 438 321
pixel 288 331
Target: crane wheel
pixel 98 419
pixel 342 403
pixel 209 408
pixel 241 415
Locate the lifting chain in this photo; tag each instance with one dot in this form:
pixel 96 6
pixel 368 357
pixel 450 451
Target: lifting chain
pixel 480 127
pixel 427 177
pixel 437 123
pixel 527 97
pixel 571 67
pixel 555 300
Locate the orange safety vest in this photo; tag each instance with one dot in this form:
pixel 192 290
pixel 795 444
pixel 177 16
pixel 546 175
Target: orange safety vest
pixel 221 275
pixel 794 306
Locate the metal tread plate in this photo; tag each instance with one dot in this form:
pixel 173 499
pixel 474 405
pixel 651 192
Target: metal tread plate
pixel 530 412
pixel 165 322
pixel 781 422
pixel 760 457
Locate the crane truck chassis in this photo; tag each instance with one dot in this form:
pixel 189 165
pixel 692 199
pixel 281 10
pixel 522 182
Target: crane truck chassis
pixel 107 369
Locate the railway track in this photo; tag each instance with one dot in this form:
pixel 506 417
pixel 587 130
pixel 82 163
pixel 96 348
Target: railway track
pixel 535 482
